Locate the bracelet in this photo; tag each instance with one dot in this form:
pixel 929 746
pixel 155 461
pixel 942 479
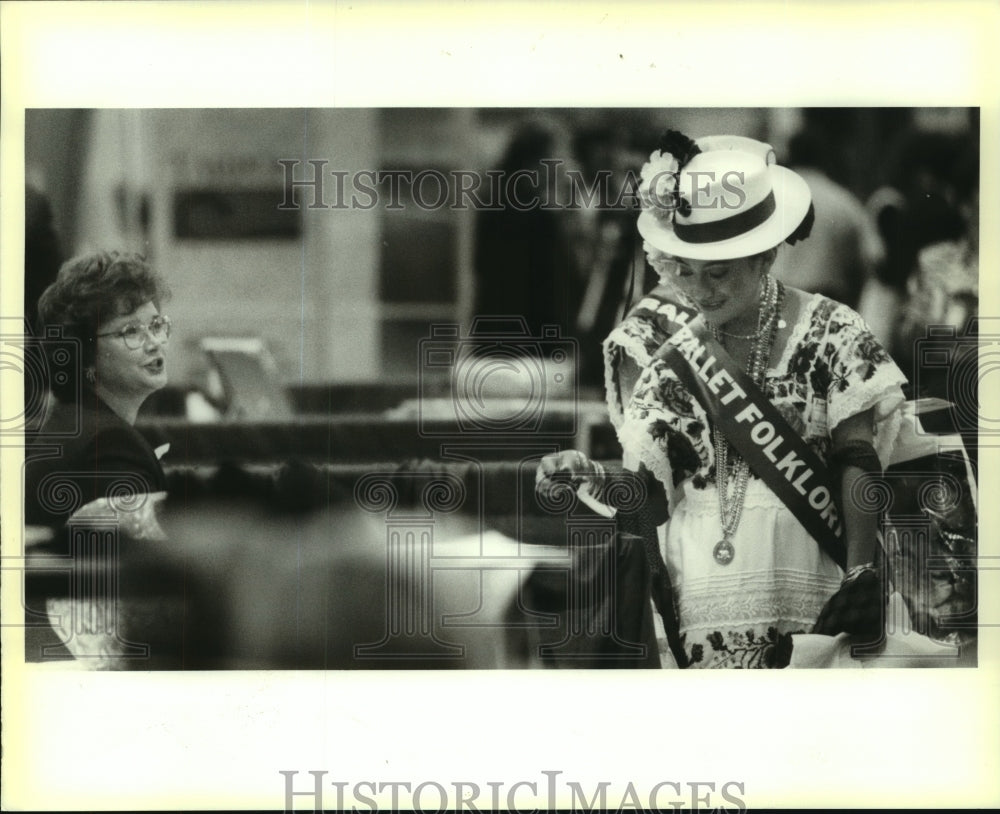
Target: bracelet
pixel 856 572
pixel 594 504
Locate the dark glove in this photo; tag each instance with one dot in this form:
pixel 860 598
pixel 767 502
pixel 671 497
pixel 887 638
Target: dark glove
pixel 858 609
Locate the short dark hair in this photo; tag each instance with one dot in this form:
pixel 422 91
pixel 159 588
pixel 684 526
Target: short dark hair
pixel 90 290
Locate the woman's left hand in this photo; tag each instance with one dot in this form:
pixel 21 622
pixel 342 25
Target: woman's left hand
pixel 858 608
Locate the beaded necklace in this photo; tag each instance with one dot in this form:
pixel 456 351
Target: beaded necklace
pixel 733 492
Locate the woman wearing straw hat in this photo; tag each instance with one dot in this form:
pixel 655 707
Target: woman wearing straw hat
pixel 751 411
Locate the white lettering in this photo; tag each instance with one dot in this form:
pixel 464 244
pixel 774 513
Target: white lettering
pixel 749 413
pixel 737 391
pixel 790 463
pixel 819 497
pixel 800 483
pixel 770 449
pixel 762 433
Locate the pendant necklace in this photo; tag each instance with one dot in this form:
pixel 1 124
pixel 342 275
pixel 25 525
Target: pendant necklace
pixel 733 491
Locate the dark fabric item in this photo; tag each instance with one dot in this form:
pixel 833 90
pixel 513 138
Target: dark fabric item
pixel 641 523
pixel 618 577
pixel 858 608
pixel 782 651
pixel 600 606
pixel 82 452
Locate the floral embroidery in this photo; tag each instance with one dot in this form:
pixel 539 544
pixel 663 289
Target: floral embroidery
pixel 680 451
pixel 835 359
pixel 675 396
pixel 747 649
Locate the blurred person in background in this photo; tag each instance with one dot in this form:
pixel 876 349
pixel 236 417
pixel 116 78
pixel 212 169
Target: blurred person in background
pixel 844 247
pixel 942 300
pixel 606 242
pixel 943 289
pixel 734 570
pixel 42 258
pixel 914 208
pixel 42 251
pixel 525 265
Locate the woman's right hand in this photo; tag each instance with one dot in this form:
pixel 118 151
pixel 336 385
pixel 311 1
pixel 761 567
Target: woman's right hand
pixel 568 469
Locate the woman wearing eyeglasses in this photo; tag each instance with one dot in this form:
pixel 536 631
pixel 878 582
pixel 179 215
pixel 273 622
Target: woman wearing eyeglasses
pixel 106 344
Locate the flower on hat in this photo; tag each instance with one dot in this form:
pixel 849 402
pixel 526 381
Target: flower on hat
pixel 660 177
pixel 658 186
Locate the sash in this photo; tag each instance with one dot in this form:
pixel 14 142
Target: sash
pixel 753 426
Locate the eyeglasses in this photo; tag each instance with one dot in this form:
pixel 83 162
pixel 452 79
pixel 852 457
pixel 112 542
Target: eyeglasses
pixel 134 334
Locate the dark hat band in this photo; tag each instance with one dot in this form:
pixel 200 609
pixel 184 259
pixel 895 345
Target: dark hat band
pixel 727 228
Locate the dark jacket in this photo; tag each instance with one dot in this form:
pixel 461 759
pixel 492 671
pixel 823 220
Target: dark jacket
pixel 83 452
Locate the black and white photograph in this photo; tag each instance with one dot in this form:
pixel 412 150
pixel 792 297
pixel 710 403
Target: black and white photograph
pixel 345 433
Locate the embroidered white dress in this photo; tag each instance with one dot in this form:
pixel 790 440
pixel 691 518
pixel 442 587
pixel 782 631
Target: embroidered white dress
pixel 733 615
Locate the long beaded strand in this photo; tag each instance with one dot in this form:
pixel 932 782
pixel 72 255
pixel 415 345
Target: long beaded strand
pixel 730 511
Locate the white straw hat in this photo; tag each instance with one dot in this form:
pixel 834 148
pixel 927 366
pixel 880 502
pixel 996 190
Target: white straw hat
pixel 720 198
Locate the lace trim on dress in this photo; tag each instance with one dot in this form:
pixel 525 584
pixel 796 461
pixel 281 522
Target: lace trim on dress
pixel 614 403
pixel 796 337
pixel 626 337
pixel 616 411
pixel 883 392
pixel 639 448
pixel 753 599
